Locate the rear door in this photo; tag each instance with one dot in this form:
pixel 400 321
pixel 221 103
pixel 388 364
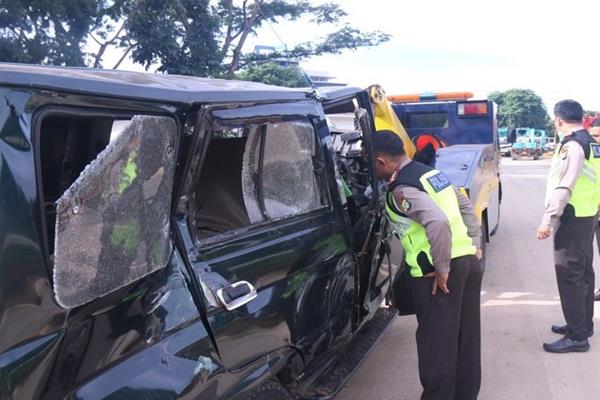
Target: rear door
pixel 106 182
pixel 265 236
pixel 456 122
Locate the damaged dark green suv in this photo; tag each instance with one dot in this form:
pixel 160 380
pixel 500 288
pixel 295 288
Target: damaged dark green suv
pixel 168 237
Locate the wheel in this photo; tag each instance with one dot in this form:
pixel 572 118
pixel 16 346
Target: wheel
pixel 483 245
pixel 270 390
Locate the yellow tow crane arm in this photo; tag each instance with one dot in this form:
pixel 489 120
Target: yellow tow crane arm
pixel 385 118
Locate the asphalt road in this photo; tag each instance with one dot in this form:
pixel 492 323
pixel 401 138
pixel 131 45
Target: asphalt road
pixel 519 304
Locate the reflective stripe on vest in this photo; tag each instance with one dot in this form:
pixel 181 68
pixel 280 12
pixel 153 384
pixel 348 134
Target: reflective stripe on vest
pixel 413 236
pixel 586 192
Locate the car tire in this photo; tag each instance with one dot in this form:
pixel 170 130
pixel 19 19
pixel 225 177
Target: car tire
pixel 270 390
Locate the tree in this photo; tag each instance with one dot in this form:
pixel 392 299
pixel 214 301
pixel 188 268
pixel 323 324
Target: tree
pixel 194 37
pixel 521 108
pixel 47 32
pixel 178 35
pixel 274 74
pixel 180 23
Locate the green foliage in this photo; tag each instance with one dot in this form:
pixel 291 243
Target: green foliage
pixel 521 108
pixel 179 35
pixel 48 32
pixel 550 129
pixel 588 113
pixel 237 22
pixel 274 74
pixel 193 37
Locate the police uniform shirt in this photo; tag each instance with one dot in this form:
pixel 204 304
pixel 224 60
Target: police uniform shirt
pixel 570 166
pixel 418 206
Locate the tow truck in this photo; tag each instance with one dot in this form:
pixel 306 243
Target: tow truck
pixel 464 135
pixel 529 143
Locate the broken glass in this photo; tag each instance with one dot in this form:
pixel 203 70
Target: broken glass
pixel 112 224
pixel 250 178
pixel 289 185
pixel 286 185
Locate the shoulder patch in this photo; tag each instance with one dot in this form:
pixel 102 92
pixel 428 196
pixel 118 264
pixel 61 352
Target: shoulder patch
pixel 403 204
pixel 564 151
pixel 439 181
pixel 595 150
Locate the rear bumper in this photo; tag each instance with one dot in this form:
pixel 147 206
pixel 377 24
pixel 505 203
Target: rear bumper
pixel 526 152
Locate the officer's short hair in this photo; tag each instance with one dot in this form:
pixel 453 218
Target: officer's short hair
pixel 595 122
pixel 569 111
pixel 387 142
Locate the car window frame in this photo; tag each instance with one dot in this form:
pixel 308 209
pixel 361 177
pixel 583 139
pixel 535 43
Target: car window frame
pixel 244 115
pixel 52 110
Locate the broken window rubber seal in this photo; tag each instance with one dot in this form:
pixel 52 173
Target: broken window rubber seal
pixel 259 186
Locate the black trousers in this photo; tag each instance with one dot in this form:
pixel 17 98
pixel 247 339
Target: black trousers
pixel 573 256
pixel 449 333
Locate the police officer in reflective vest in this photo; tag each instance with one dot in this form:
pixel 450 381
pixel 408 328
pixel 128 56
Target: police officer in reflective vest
pixel 572 200
pixel 439 233
pixel 594 130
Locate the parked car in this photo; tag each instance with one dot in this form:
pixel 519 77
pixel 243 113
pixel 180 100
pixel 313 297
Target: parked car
pixel 173 237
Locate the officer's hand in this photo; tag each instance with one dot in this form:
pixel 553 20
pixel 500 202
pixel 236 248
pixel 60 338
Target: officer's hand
pixel 479 254
pixel 544 232
pixel 439 281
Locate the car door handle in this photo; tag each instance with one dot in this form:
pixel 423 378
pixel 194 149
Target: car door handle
pixel 236 295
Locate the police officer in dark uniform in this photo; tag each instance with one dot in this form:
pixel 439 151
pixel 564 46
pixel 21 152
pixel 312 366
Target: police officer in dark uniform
pixel 439 232
pixel 572 200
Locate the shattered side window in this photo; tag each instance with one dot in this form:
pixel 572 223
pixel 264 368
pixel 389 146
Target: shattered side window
pixel 255 173
pixel 250 171
pixel 289 186
pixel 112 223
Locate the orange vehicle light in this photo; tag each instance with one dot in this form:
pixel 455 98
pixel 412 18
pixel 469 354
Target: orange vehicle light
pixel 404 98
pixel 445 96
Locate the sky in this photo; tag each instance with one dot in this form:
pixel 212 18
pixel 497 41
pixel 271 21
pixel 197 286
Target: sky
pixel 551 47
pixel 480 46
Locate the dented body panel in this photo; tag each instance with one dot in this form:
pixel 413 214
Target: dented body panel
pixel 162 333
pixel 47 351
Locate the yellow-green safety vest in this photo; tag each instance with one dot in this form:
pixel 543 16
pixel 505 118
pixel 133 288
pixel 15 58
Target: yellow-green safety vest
pixel 412 235
pixel 585 197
